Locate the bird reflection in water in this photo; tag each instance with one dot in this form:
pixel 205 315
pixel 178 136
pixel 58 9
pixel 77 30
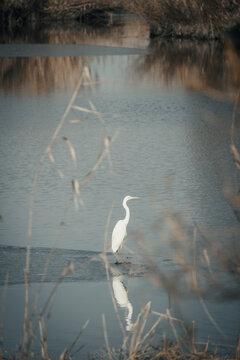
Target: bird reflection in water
pixel 121 296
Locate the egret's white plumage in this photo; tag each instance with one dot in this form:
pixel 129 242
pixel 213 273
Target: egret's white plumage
pixel 120 230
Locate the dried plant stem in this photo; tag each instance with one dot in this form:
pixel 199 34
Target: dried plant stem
pixel 151 331
pixel 32 199
pixel 99 160
pixel 196 288
pixel 103 153
pixel 236 107
pixel 71 347
pixel 193 337
pixel 204 306
pixel 42 330
pixel 2 312
pixel 145 317
pixel 46 309
pixel 69 269
pixel 101 156
pixel 167 316
pixel 106 337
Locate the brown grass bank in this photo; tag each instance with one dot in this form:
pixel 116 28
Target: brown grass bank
pixel 190 19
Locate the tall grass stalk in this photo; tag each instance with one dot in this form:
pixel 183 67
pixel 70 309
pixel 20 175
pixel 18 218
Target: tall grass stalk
pixel 29 332
pixel 26 326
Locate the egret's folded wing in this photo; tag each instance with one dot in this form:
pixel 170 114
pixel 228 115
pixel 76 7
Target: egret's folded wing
pixel 118 234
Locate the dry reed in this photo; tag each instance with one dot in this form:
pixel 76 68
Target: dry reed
pixel 29 331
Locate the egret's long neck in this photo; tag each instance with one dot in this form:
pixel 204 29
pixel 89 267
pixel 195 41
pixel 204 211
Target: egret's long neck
pixel 127 216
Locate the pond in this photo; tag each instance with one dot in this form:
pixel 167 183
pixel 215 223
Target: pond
pixel 161 114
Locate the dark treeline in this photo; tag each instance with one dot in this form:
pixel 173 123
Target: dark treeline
pixel 200 19
pixel 194 19
pixel 14 13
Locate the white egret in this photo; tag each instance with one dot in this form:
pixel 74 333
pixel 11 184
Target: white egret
pixel 120 230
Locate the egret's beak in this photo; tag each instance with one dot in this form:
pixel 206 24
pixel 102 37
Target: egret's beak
pixel 134 197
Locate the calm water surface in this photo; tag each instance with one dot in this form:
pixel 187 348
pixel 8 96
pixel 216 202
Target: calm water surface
pixel 171 105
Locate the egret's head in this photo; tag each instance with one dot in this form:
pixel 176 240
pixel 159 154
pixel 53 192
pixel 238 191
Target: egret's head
pixel 129 198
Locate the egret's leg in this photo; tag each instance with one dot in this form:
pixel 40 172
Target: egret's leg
pixel 117 258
